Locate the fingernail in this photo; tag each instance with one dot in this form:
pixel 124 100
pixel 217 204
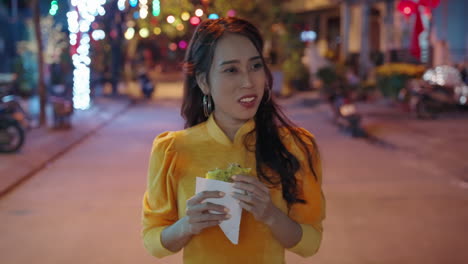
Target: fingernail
pixel 221 194
pixel 226 209
pixel 228 216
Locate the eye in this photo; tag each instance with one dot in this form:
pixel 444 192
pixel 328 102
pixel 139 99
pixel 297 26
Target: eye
pixel 230 70
pixel 257 66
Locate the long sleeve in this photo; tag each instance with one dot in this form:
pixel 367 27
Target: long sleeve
pixel 311 214
pixel 160 198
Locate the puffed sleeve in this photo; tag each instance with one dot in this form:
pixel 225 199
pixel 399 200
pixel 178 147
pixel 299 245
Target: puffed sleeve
pixel 311 214
pixel 160 198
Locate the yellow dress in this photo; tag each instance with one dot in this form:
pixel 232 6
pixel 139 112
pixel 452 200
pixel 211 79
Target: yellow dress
pixel 177 158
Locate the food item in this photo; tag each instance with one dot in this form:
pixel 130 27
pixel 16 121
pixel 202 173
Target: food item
pixel 225 175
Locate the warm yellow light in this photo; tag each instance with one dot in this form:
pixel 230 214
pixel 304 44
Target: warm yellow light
pixel 170 19
pixel 144 32
pixel 180 27
pixel 157 30
pixel 199 12
pixel 185 16
pixel 130 33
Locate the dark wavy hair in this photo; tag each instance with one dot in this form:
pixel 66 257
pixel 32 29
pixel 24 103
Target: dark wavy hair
pixel 270 152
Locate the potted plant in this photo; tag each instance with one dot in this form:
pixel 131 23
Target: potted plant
pixel 392 77
pixel 296 73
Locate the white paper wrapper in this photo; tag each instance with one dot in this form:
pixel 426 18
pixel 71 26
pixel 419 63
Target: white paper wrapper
pixel 231 226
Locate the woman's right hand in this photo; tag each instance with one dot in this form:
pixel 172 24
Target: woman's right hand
pixel 198 212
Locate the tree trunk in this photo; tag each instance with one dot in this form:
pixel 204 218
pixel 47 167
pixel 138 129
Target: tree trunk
pixel 40 61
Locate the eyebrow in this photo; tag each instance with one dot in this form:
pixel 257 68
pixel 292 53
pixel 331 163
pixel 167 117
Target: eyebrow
pixel 237 61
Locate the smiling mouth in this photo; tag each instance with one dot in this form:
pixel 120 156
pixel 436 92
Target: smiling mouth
pixel 247 99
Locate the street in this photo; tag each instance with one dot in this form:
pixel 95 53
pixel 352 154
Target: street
pixel 405 201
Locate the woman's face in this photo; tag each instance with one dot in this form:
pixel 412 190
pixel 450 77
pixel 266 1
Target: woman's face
pixel 236 79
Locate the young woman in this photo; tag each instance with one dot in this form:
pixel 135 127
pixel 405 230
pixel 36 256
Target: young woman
pixel 230 117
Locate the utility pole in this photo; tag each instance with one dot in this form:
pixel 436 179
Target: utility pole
pixel 40 61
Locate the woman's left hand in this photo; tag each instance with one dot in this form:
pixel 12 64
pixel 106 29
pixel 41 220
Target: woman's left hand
pixel 255 198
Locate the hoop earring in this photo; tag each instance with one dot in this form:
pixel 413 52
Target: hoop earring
pixel 207 105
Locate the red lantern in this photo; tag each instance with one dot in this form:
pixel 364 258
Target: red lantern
pixel 430 3
pixel 407 7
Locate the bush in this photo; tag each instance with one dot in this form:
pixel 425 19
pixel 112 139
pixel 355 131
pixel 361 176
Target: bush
pixel 295 72
pixel 392 77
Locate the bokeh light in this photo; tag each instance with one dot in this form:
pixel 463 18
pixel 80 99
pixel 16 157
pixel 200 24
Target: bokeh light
pixel 121 5
pixel 98 34
pixel 133 3
pixel 231 13
pixel 183 44
pixel 170 19
pixel 144 32
pixel 195 21
pixel 173 47
pixel 79 24
pixel 213 16
pixel 157 30
pixel 130 33
pixel 199 12
pixel 185 16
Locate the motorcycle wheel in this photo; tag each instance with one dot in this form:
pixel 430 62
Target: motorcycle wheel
pixel 11 136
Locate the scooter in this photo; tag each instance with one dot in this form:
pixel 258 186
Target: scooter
pixel 440 90
pixel 347 117
pixel 13 119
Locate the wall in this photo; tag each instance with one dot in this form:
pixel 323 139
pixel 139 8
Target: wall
pixel 450 33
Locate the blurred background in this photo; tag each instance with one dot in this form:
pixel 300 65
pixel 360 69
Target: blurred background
pixel 85 86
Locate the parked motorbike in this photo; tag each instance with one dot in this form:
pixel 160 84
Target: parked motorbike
pixel 13 119
pixel 347 117
pixel 441 89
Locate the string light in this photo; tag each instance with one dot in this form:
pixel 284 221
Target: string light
pixel 199 12
pixel 79 23
pixel 121 5
pixel 183 44
pixel 98 34
pixel 143 8
pixel 129 33
pixel 231 13
pixel 195 21
pixel 185 16
pixel 157 30
pixel 133 3
pixel 213 16
pixel 156 7
pixel 53 8
pixel 173 47
pixel 144 32
pixel 170 19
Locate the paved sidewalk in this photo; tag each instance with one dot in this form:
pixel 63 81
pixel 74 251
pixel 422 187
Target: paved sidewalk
pixel 44 145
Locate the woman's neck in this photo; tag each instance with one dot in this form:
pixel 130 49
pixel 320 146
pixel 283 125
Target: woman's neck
pixel 229 126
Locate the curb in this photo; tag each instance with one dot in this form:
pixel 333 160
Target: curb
pixel 23 177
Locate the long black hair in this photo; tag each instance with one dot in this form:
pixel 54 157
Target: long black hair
pixel 270 152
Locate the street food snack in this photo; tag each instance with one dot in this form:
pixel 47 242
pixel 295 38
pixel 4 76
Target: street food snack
pixel 225 175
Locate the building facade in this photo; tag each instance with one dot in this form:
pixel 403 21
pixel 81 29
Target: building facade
pixel 371 32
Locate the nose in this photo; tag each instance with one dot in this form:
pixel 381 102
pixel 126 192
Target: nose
pixel 247 80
